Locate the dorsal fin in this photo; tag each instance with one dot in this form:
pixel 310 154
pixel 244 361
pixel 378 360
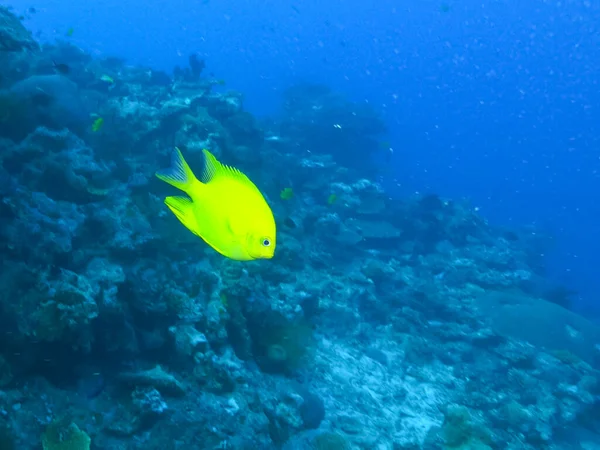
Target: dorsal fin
pixel 213 170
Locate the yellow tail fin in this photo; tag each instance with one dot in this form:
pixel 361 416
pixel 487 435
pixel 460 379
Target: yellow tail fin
pixel 179 174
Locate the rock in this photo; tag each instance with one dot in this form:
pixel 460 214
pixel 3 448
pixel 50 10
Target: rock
pixel 52 101
pixel 156 378
pixel 188 340
pixel 555 328
pixel 374 230
pixel 149 406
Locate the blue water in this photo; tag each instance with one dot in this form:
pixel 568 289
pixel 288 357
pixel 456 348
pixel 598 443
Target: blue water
pixel 496 101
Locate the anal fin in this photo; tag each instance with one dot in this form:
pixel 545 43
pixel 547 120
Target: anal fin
pixel 182 207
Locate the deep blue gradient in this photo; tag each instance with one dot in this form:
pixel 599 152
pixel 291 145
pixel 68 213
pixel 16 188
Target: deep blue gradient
pixel 497 101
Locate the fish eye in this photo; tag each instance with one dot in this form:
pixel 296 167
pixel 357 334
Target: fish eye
pixel 266 242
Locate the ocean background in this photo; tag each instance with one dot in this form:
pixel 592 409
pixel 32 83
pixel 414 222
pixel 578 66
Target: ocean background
pixel 494 101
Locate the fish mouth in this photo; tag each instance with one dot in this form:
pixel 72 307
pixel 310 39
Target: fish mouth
pixel 264 255
pixel 270 252
pixel 255 255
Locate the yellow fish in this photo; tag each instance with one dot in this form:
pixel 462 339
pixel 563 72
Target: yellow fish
pixel 225 208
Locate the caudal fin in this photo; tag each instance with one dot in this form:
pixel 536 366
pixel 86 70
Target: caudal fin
pixel 179 174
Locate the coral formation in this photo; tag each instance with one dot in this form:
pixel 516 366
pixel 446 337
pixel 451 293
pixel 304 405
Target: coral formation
pixel 13 35
pixel 61 435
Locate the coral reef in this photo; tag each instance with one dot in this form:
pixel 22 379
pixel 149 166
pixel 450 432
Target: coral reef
pixel 381 323
pixel 13 35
